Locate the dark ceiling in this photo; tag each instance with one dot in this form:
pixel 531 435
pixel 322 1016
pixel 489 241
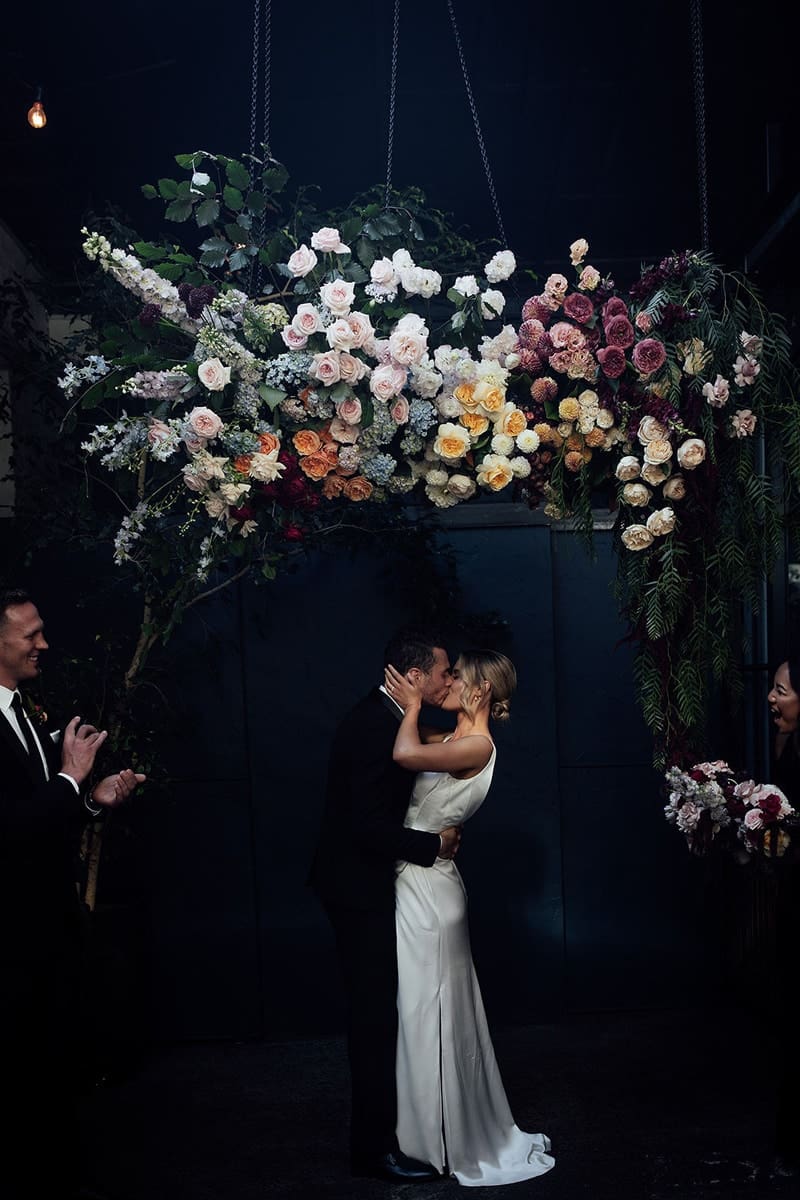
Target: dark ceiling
pixel 587 112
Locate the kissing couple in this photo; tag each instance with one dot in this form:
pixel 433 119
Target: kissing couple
pixel 427 1097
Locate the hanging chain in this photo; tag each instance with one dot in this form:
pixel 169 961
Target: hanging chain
pixel 476 122
pixel 267 70
pixel 698 64
pixel 254 77
pixel 392 101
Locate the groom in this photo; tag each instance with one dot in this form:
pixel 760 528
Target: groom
pixel 353 874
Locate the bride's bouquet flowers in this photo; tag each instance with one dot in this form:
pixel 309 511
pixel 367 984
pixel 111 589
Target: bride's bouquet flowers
pixel 709 799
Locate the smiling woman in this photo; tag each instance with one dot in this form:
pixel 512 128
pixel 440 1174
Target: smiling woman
pixel 784 698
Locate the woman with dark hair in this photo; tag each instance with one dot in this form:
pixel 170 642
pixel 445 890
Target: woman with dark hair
pixel 452 1108
pixel 784 703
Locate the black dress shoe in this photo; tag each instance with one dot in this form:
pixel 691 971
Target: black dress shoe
pixel 395 1167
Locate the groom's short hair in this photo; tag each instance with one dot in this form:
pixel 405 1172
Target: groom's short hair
pixel 412 647
pixel 10 598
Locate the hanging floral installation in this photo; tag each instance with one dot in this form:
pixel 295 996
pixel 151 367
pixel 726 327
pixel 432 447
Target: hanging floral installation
pixel 294 368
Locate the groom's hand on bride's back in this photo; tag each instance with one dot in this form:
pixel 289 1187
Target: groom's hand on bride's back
pixel 451 839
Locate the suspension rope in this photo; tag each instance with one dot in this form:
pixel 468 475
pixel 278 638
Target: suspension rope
pixel 267 71
pixel 392 101
pixel 474 110
pixel 254 74
pixel 698 70
pixel 260 221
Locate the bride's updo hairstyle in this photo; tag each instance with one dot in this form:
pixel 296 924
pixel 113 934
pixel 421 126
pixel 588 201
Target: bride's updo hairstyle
pixel 479 666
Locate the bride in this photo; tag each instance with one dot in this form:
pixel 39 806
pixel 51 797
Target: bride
pixel 452 1108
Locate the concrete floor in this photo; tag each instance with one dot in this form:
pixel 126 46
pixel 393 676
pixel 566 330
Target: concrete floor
pixel 644 1106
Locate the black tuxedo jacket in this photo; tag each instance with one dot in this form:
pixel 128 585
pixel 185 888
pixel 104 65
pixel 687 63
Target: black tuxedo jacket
pixel 40 828
pixel 365 804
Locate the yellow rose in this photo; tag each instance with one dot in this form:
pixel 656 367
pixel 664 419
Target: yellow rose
pixel 495 472
pixel 465 395
pixel 569 409
pixel 512 422
pixel 491 399
pixel 452 441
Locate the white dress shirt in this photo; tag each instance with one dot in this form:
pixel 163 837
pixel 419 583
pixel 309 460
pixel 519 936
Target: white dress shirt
pixel 6 698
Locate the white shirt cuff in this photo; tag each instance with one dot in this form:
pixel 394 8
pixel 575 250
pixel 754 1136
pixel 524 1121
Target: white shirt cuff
pixel 74 782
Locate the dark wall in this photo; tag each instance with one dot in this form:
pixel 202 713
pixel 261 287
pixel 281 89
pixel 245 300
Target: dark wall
pixel 580 896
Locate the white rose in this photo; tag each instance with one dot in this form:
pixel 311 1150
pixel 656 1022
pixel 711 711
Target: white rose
pixel 691 453
pixel 654 475
pixel 500 266
pixel 233 493
pixel 657 451
pixel 306 320
pixel 265 467
pixel 213 375
pixel 675 488
pixel 604 418
pixel 402 260
pixel 430 283
pixel 467 285
pixel 340 335
pixel 338 296
pixel 636 494
pixel 492 304
pixel 411 279
pixel 717 393
pixel 382 273
pixel 528 441
pixel 578 251
pixel 628 468
pixel 449 407
pixel 461 486
pixel 361 326
pixel 661 522
pixel 329 241
pixel 637 537
pixel 651 430
pixel 302 261
pixel 387 381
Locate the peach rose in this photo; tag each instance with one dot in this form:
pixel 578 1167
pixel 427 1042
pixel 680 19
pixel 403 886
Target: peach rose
pixel 652 430
pixel 351 369
pixel 636 494
pixel 358 488
pixel 465 395
pixel 333 487
pixel 306 441
pixel 662 522
pixel 578 251
pixel 637 537
pixel 268 442
pixel 495 472
pixel 213 375
pixel 342 432
pixel 555 287
pixel 316 466
pixel 491 399
pixel 349 410
pixel 658 451
pixel 243 463
pixel 452 441
pixel 589 279
pixel 475 423
pixel 691 453
pixel 675 488
pixel 205 423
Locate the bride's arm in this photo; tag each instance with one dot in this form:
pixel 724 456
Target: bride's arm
pixel 465 754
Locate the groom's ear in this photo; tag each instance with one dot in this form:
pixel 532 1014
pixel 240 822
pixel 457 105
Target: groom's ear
pixel 413 675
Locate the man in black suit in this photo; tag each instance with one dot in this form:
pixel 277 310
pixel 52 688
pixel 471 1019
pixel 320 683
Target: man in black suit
pixel 353 873
pixel 44 804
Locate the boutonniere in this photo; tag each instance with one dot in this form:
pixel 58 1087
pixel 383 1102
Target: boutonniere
pixel 35 714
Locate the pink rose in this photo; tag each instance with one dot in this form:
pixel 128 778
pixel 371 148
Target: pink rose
pixel 339 335
pixel 293 339
pixel 649 355
pixel 555 288
pixel 193 482
pixel 213 375
pixel 302 261
pixel 351 369
pixel 614 308
pixel 387 381
pixel 745 370
pixel 579 307
pixel 328 241
pixel 325 368
pixel 407 347
pixel 744 423
pixel 717 393
pixel 344 433
pixel 399 410
pixel 306 320
pixel 158 432
pixel 349 410
pixel 566 336
pixel 361 327
pixel 193 443
pixel 338 296
pixel 612 361
pixel 753 819
pixel 644 322
pixel 382 273
pixel 619 332
pixel 205 423
pixel 589 279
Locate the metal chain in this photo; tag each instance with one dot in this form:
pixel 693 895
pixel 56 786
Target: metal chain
pixel 392 101
pixel 254 78
pixel 698 67
pixel 267 70
pixel 476 122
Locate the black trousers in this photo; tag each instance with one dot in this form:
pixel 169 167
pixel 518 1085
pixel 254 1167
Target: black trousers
pixel 787 1132
pixel 367 947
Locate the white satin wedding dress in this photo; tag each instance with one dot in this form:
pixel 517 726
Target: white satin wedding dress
pixel 452 1107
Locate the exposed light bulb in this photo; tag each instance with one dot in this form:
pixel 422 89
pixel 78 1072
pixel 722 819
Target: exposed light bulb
pixel 37 117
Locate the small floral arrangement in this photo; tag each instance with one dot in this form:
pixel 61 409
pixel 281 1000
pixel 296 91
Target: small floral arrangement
pixel 708 800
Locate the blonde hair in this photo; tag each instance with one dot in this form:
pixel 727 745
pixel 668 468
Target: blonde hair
pixel 488 666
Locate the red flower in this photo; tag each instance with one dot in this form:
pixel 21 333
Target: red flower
pixel 612 361
pixel 293 533
pixel 649 355
pixel 770 806
pixel 579 307
pixel 619 332
pixel 614 308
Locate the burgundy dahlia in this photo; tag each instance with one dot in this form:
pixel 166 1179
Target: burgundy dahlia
pixel 612 361
pixel 529 361
pixel 649 355
pixel 197 298
pixel 579 307
pixel 529 332
pixel 535 310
